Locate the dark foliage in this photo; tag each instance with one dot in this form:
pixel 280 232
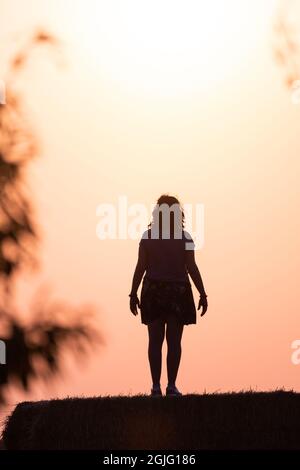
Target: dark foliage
pixel 32 349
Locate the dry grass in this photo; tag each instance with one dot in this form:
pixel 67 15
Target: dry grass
pixel 246 420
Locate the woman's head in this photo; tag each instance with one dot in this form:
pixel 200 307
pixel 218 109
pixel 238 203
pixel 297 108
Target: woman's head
pixel 168 217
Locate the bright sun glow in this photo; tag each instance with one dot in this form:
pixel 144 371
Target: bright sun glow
pixel 168 45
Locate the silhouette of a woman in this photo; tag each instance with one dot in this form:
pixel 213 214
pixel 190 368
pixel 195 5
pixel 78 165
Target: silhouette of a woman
pixel 166 255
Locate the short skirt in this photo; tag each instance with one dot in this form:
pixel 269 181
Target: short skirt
pixel 161 299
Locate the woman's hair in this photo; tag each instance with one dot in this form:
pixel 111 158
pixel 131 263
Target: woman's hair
pixel 173 211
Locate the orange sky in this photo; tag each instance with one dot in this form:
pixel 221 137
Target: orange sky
pixel 215 126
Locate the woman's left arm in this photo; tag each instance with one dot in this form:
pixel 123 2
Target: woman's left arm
pixel 194 272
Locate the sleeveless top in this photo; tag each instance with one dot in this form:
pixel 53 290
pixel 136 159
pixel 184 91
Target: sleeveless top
pixel 166 258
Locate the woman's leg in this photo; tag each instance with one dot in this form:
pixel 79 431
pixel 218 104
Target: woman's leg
pixel 156 331
pixel 174 335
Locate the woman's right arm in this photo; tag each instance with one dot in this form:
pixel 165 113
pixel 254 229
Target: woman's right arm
pixel 139 270
pixel 137 278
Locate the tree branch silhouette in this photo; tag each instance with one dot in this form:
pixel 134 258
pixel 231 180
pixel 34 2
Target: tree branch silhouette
pixel 33 350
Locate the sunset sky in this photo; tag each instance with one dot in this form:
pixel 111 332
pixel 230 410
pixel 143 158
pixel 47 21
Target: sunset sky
pixel 181 97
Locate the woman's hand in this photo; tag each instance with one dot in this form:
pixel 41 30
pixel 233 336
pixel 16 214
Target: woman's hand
pixel 203 304
pixel 134 303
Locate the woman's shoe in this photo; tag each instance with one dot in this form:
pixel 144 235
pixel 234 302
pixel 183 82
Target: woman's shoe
pixel 156 392
pixel 172 391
